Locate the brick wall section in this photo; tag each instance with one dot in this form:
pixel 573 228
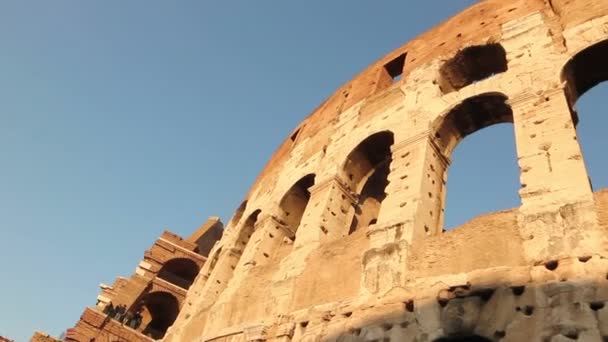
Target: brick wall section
pixel 130 291
pixel 94 324
pixel 40 337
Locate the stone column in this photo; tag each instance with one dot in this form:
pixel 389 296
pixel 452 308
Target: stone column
pixel 269 233
pixel 328 214
pixel 412 210
pixel 552 168
pixel 557 216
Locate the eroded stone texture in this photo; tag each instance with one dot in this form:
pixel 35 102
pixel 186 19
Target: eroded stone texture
pixel 341 237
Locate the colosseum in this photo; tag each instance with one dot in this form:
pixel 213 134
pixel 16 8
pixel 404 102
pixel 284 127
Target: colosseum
pixel 341 238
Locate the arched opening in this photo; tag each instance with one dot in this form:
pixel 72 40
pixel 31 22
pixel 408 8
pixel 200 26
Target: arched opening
pixel 294 202
pixel 159 311
pixel 246 231
pixel 585 75
pixel 213 260
pixel 180 272
pixel 484 174
pixel 238 214
pixel 366 170
pixel 471 338
pixel 472 64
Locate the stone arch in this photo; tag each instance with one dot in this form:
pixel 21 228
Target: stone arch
pixel 467 117
pixel 472 64
pixel 294 202
pixel 366 172
pixel 236 218
pixel 584 71
pixel 179 271
pixel 159 311
pixel 246 231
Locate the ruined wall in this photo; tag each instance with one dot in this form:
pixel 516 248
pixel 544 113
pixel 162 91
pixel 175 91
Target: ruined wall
pixel 40 337
pixel 157 290
pixel 341 237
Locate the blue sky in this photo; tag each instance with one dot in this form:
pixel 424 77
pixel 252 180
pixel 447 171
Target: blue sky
pixel 120 119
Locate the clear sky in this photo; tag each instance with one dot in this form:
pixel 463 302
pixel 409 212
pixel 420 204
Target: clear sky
pixel 120 119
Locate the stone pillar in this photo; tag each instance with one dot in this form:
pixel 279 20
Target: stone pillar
pixel 412 210
pixel 552 168
pixel 557 216
pixel 269 233
pixel 328 214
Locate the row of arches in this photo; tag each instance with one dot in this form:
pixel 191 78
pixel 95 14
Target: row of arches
pixel 488 118
pixel 367 167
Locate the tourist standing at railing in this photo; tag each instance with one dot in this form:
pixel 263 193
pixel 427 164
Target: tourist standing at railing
pixel 120 312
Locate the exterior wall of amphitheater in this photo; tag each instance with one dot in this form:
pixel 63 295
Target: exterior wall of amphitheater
pixel 342 237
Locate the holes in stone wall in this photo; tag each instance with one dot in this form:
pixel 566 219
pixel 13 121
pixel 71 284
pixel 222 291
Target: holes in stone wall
pixel 595 306
pixel 518 290
pixel 294 135
pixel 570 333
pixel 552 265
pixel 528 310
pixel 499 334
pixel 472 64
pixel 391 72
pixel 394 68
pixel 409 305
pixel 484 294
pixel 584 259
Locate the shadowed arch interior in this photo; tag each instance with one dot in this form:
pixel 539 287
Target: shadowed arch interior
pixel 179 271
pixel 294 202
pixel 468 117
pixel 585 70
pixel 247 230
pixel 160 311
pixel 472 64
pixel 582 75
pixel 366 170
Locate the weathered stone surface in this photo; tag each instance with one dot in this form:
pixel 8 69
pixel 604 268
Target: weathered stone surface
pixel 341 237
pixel 368 233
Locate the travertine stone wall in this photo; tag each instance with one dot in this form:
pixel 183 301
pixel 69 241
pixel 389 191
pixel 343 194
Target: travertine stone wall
pixel 370 259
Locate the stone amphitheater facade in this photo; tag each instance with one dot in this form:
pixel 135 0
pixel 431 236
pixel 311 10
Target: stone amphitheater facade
pixel 341 237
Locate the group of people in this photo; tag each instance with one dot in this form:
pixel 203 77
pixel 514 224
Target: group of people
pixel 129 318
